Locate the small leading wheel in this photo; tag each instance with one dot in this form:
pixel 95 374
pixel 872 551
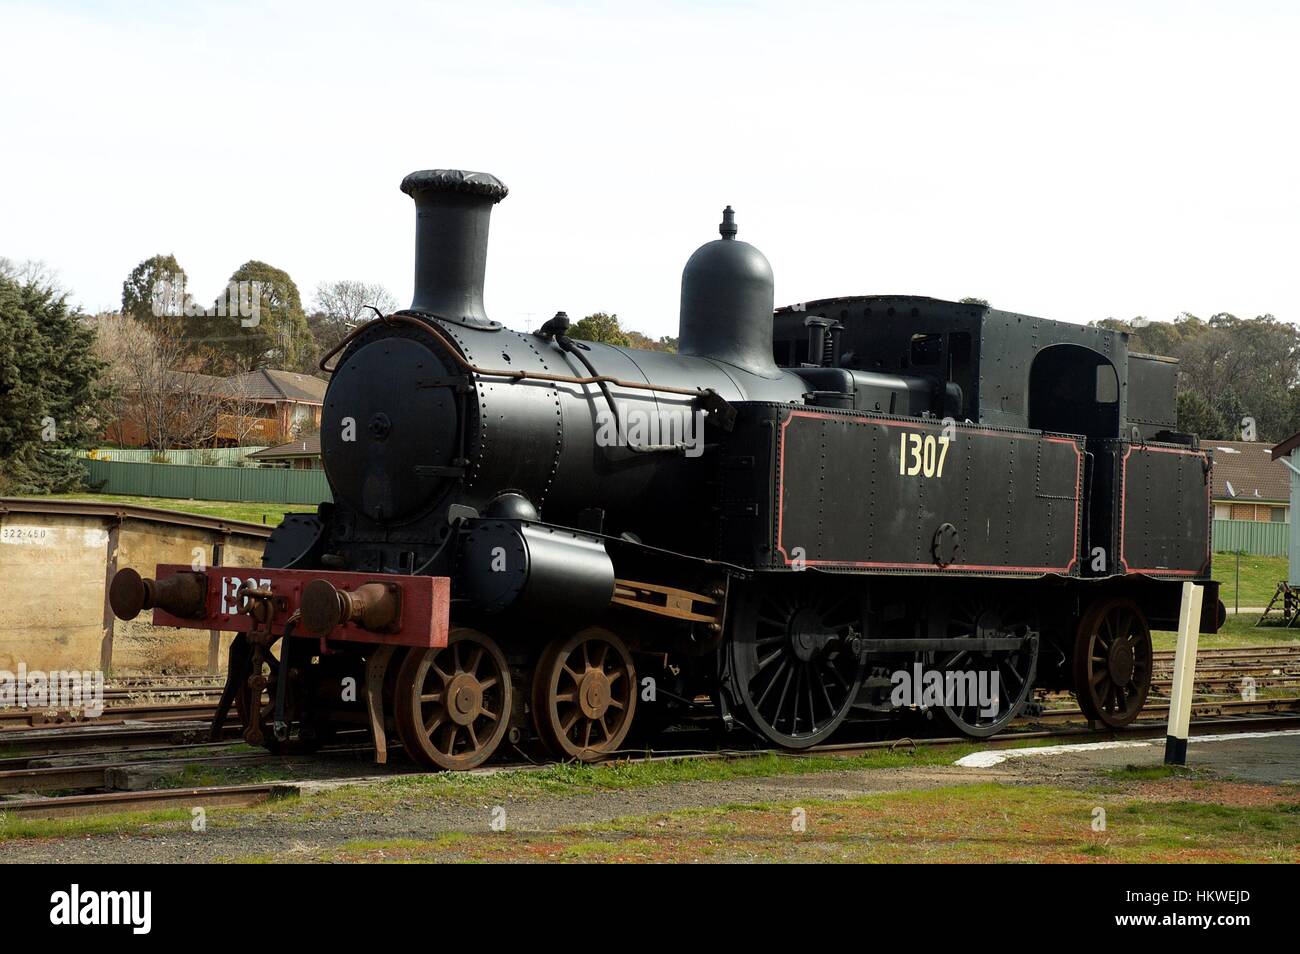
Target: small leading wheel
pixel 795 665
pixel 452 705
pixel 1112 662
pixel 584 695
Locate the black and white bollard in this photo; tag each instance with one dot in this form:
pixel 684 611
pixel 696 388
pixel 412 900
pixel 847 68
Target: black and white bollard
pixel 1180 699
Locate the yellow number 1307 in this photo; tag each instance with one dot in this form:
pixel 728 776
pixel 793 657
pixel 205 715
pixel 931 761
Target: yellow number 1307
pixel 927 454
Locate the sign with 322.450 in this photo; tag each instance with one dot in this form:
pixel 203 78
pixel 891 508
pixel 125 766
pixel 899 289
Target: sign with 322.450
pixel 922 454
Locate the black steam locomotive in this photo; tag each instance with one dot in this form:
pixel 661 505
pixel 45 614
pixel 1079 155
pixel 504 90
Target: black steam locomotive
pixel 538 537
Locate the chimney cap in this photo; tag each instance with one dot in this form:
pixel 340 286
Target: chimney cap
pixel 455 180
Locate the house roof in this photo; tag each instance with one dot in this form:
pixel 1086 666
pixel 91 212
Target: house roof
pixel 265 384
pixel 306 447
pixel 270 384
pixel 1248 471
pixel 193 381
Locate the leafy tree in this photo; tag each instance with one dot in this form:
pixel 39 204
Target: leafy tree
pixel 50 398
pixel 272 331
pixel 646 343
pixel 154 293
pixel 1196 415
pixel 601 327
pixel 1235 367
pixel 975 301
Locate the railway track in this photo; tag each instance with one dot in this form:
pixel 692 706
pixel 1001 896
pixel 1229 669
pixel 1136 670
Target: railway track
pixel 161 712
pixel 73 765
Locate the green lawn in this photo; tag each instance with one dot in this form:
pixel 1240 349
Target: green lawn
pixel 1259 578
pixel 264 513
pixel 1237 632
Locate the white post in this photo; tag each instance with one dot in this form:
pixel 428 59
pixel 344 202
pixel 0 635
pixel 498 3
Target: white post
pixel 1180 699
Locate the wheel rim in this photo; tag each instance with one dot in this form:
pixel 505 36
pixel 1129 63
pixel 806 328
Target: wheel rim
pixel 453 704
pixel 795 668
pixel 1113 662
pixel 584 694
pixel 1014 670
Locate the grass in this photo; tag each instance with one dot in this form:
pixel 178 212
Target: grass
pixel 973 823
pixel 1237 632
pixel 1259 578
pixel 269 514
pixel 14 827
pixel 579 779
pixel 456 788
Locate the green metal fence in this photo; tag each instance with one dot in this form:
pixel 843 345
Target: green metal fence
pixel 1251 536
pixel 260 484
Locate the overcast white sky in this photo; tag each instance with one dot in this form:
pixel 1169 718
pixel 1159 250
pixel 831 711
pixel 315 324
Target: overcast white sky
pixel 1075 161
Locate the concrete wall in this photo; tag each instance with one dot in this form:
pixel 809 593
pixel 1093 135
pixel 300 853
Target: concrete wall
pixel 54 571
pixel 52 577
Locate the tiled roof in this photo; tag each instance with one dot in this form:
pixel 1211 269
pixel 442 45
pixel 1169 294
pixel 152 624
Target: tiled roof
pixel 269 384
pixel 306 447
pixel 1249 468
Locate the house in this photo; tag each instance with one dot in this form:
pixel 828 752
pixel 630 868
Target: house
pixel 301 454
pixel 289 403
pixel 261 407
pixel 1250 483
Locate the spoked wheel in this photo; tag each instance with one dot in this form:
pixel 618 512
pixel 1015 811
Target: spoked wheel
pixel 453 704
pixel 983 691
pixel 257 696
pixel 795 666
pixel 1112 662
pixel 584 695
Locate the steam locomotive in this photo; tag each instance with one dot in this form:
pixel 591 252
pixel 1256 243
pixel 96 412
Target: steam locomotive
pixel 535 538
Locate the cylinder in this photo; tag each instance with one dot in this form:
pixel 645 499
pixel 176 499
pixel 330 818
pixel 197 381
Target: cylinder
pixel 545 571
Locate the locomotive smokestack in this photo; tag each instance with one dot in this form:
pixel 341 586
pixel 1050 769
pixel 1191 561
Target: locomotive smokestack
pixel 727 303
pixel 452 209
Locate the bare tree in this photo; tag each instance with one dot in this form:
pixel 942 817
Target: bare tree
pixel 117 339
pixel 31 272
pixel 341 306
pixel 170 408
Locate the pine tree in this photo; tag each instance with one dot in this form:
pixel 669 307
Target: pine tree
pixel 50 395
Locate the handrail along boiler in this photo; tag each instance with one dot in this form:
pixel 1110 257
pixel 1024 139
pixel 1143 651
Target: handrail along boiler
pixel 545 540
